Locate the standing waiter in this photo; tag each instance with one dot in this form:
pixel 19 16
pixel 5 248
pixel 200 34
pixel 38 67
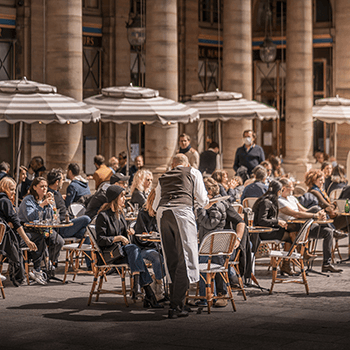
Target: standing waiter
pixel 175 194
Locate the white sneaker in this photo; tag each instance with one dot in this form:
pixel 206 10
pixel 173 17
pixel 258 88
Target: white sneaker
pixel 37 276
pixel 2 277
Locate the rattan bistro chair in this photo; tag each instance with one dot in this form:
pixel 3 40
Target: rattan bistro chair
pixel 295 257
pixel 249 202
pixel 219 243
pixel 101 268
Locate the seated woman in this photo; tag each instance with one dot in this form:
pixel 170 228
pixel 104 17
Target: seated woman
pixel 146 222
pixel 10 245
pixel 266 214
pixel 327 168
pixel 337 179
pixel 39 200
pixel 141 185
pixel 277 170
pixel 227 188
pixel 314 180
pixel 111 227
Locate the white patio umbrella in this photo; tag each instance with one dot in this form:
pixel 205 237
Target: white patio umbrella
pixel 222 105
pixel 225 106
pixel 24 101
pixel 332 110
pixel 133 105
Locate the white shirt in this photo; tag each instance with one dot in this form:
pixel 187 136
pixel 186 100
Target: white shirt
pixel 289 202
pixel 199 191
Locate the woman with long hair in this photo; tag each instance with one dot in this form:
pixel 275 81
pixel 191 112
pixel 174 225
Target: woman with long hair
pixel 227 188
pixel 111 227
pixel 10 246
pixel 266 214
pixel 314 180
pixel 141 186
pixel 146 223
pixel 39 200
pixel 337 179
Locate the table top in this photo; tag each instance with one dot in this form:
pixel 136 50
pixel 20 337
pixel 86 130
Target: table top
pixel 131 218
pixel 260 229
pixel 149 237
pixel 46 225
pixel 344 214
pixel 302 221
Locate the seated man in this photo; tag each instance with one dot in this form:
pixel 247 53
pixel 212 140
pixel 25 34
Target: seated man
pixel 258 187
pixel 99 197
pixel 78 187
pixel 290 208
pixel 55 180
pixel 102 173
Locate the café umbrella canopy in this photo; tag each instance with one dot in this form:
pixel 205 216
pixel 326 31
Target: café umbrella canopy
pixel 332 110
pixel 225 106
pixel 25 101
pixel 133 105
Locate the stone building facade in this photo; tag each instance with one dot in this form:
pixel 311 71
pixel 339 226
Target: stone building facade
pixel 81 46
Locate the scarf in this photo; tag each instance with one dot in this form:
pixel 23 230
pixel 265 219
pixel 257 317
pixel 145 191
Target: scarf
pixel 323 192
pixel 185 150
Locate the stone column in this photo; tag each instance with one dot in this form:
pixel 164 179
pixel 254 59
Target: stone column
pixel 299 88
pixel 342 72
pixel 161 74
pixel 64 69
pixel 188 70
pixel 237 70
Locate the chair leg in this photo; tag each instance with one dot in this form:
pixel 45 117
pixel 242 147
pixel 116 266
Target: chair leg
pixel 229 290
pixel 275 264
pixel 100 285
pixel 66 265
pixel 124 286
pixel 94 283
pixel 26 265
pixel 208 292
pixel 303 274
pixel 240 282
pixel 1 285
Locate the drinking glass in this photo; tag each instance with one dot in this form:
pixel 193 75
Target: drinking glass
pixel 41 216
pixel 136 209
pixel 48 215
pixel 56 217
pixel 250 218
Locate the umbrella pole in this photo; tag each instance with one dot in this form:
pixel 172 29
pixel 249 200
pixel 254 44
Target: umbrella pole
pixel 18 158
pixel 128 132
pixel 220 145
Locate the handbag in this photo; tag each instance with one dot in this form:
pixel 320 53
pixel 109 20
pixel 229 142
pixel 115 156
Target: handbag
pixel 116 251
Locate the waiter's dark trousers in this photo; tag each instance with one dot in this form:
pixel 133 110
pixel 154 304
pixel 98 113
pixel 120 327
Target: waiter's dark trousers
pixel 175 259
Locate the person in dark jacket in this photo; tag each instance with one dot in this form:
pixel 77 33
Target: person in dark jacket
pixel 266 214
pixel 337 179
pixel 258 187
pixel 99 197
pixel 147 223
pixel 4 169
pixel 11 242
pixel 111 227
pixel 140 187
pixel 36 168
pixel 209 160
pixel 55 180
pixel 227 188
pixel 78 187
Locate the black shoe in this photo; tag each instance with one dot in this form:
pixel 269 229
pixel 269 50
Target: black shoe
pixel 339 234
pixel 150 299
pixel 330 268
pixel 136 291
pixel 178 312
pixel 187 308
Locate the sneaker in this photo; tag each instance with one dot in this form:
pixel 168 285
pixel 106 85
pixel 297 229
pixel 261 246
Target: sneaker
pixel 2 277
pixel 177 312
pixel 221 302
pixel 201 303
pixel 37 276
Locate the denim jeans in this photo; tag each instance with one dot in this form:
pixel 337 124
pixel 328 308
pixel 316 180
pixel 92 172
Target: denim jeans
pixel 136 263
pixel 78 231
pixel 157 261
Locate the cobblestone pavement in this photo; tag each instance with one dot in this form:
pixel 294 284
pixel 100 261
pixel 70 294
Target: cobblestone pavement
pixel 57 316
